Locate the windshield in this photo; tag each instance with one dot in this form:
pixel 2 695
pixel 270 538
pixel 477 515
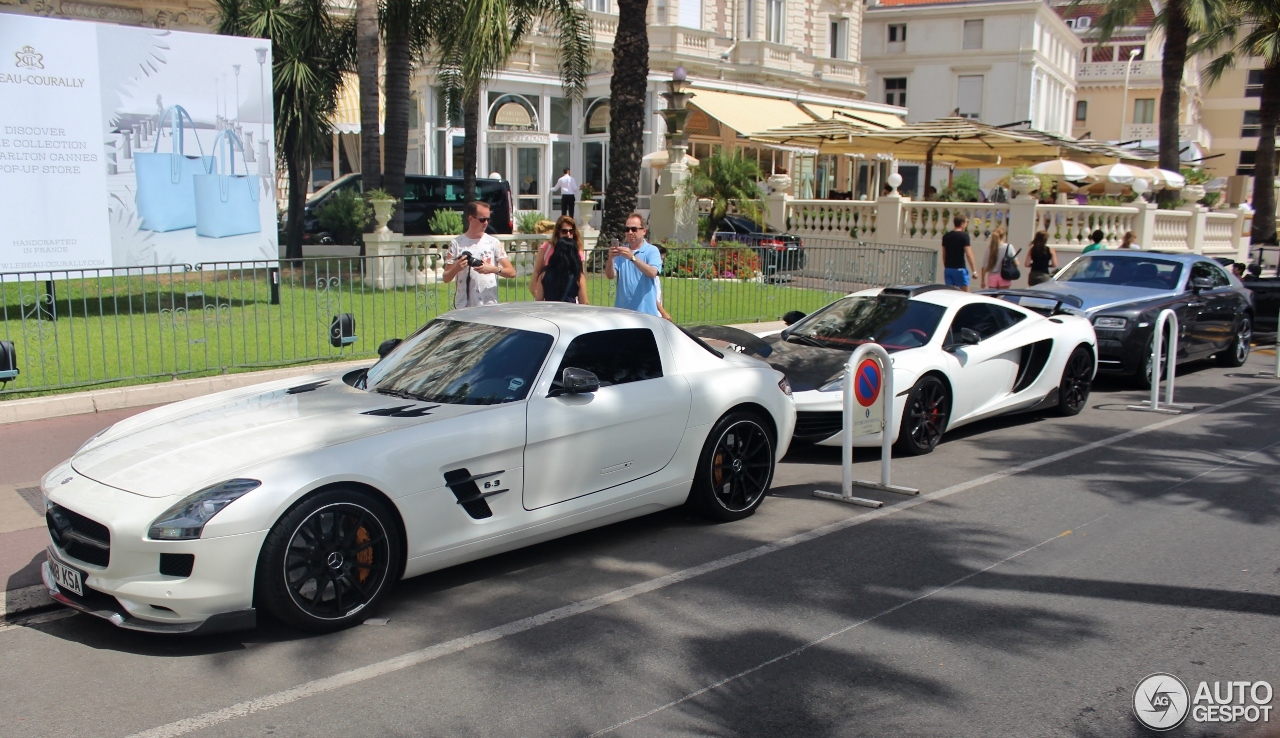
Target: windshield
pixel 895 322
pixel 1146 272
pixel 461 363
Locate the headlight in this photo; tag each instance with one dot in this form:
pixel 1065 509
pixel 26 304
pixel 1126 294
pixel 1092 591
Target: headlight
pixel 186 520
pixel 785 386
pixel 834 384
pixel 1113 324
pixel 91 440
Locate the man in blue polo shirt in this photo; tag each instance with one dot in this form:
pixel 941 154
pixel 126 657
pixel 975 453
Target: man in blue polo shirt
pixel 636 265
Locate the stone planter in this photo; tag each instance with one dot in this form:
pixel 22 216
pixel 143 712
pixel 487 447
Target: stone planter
pixel 1192 193
pixel 382 211
pixel 779 182
pixel 1025 184
pixel 585 210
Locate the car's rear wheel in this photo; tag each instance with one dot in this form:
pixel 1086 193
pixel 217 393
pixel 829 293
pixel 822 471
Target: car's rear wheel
pixel 735 468
pixel 1238 352
pixel 1077 381
pixel 329 561
pixel 1143 377
pixel 925 416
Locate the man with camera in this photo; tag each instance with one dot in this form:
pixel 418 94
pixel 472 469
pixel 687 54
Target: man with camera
pixel 479 258
pixel 636 264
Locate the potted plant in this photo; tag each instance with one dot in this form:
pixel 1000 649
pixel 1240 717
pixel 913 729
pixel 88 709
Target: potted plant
pixel 586 202
pixel 1193 191
pixel 383 207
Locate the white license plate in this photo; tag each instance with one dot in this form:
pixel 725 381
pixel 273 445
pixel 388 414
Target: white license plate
pixel 66 577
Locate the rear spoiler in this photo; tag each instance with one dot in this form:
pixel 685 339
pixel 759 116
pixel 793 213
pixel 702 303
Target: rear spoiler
pixel 1058 299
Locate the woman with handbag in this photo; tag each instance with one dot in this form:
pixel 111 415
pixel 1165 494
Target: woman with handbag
pixel 1002 262
pixel 565 227
pixel 1041 259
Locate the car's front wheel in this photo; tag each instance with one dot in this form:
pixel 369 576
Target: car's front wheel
pixel 1238 352
pixel 1077 381
pixel 328 561
pixel 925 416
pixel 735 468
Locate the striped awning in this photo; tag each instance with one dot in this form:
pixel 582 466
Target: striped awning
pixel 863 118
pixel 748 114
pixel 346 118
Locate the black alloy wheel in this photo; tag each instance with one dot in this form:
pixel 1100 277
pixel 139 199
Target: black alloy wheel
pixel 1143 377
pixel 329 560
pixel 925 416
pixel 1238 352
pixel 735 468
pixel 1077 381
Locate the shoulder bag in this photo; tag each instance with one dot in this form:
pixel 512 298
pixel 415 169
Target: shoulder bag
pixel 226 204
pixel 1009 265
pixel 166 195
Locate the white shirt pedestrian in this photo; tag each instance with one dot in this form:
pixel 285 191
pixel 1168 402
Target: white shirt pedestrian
pixel 473 287
pixel 567 185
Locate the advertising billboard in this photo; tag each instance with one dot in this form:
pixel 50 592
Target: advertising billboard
pixel 124 146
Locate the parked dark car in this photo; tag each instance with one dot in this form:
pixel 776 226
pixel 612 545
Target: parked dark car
pixel 423 196
pixel 1266 290
pixel 1123 292
pixel 779 252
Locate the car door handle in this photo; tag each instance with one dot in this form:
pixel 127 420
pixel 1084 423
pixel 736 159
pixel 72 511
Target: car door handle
pixel 1196 304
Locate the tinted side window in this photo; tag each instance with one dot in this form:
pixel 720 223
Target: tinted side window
pixel 1200 270
pixel 616 357
pixel 987 320
pixel 1010 317
pixel 1220 278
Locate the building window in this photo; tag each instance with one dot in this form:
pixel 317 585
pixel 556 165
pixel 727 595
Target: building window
pixel 969 96
pixel 775 19
pixel 1252 122
pixel 1253 85
pixel 596 119
pixel 895 91
pixel 973 34
pixel 1082 110
pixel 1144 110
pixel 897 33
pixel 600 6
pixel 751 18
pixel 1247 160
pixel 839 38
pixel 691 13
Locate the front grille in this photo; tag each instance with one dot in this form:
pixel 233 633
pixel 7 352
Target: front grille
pixel 177 565
pixel 818 426
pixel 79 537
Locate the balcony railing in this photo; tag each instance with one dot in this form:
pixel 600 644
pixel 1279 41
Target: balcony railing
pixel 1192 132
pixel 1144 71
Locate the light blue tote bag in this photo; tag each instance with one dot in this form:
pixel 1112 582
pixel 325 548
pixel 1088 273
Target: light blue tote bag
pixel 166 193
pixel 226 204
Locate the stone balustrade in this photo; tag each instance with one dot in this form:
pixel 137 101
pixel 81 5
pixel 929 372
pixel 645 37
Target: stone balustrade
pixel 1073 225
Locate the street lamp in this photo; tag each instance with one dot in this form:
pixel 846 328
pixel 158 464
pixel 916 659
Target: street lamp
pixel 237 68
pixel 1124 99
pixel 265 150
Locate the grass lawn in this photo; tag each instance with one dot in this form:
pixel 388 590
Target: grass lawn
pixel 127 330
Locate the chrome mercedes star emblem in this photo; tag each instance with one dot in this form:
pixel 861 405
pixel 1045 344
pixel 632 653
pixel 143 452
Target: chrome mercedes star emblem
pixel 335 560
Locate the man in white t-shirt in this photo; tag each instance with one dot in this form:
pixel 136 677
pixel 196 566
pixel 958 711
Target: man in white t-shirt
pixel 477 285
pixel 567 186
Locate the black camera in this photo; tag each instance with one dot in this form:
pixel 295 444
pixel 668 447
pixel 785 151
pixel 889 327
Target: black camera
pixel 469 260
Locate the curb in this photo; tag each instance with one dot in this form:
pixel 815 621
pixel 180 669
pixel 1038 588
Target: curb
pixel 16 601
pixel 117 398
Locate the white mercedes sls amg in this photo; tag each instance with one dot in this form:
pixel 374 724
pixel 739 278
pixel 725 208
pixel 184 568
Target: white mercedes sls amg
pixel 489 429
pixel 958 357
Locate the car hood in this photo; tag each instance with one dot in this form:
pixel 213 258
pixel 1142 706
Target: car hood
pixel 184 447
pixel 811 367
pixel 1099 297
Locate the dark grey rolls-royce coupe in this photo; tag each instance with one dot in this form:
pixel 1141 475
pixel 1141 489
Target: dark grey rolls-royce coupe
pixel 1124 291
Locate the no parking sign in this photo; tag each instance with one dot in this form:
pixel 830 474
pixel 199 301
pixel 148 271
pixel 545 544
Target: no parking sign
pixel 868 411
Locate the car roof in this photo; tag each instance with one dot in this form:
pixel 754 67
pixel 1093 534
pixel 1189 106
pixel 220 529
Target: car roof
pixel 943 296
pixel 571 320
pixel 1136 254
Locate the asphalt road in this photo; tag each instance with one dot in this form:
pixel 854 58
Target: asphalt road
pixel 1048 566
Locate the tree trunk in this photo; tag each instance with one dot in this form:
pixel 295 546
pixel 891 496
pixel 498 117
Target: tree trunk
pixel 367 39
pixel 471 139
pixel 299 171
pixel 399 69
pixel 1264 165
pixel 1171 70
pixel 626 116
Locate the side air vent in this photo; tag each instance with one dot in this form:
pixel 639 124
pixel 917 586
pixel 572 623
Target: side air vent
pixel 1031 363
pixel 177 565
pixel 464 486
pixel 402 411
pixel 308 387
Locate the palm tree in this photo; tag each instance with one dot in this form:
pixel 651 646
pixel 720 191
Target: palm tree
pixel 494 29
pixel 726 180
pixel 626 115
pixel 1259 20
pixel 367 47
pixel 1181 21
pixel 310 50
pixel 402 20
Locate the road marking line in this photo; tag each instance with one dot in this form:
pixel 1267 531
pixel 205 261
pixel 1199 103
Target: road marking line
pixel 830 635
pixel 899 606
pixel 431 653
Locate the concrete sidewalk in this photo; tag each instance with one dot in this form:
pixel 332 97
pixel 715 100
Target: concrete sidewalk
pixel 22 528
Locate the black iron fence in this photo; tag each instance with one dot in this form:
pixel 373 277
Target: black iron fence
pixel 78 328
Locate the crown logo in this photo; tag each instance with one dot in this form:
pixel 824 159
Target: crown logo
pixel 28 58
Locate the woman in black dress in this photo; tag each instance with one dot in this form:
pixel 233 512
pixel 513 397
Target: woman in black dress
pixel 1041 259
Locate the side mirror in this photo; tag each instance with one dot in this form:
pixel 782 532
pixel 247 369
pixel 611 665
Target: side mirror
pixel 1201 283
pixel 793 317
pixel 579 381
pixel 387 347
pixel 967 337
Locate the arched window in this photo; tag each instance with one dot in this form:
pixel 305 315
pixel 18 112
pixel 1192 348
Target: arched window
pixel 597 117
pixel 512 113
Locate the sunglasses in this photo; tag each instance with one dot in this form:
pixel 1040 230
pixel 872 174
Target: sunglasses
pixel 634 229
pixel 482 220
pixel 566 231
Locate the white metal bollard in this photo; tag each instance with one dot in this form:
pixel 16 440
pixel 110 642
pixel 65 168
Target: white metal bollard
pixel 1157 353
pixel 847 482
